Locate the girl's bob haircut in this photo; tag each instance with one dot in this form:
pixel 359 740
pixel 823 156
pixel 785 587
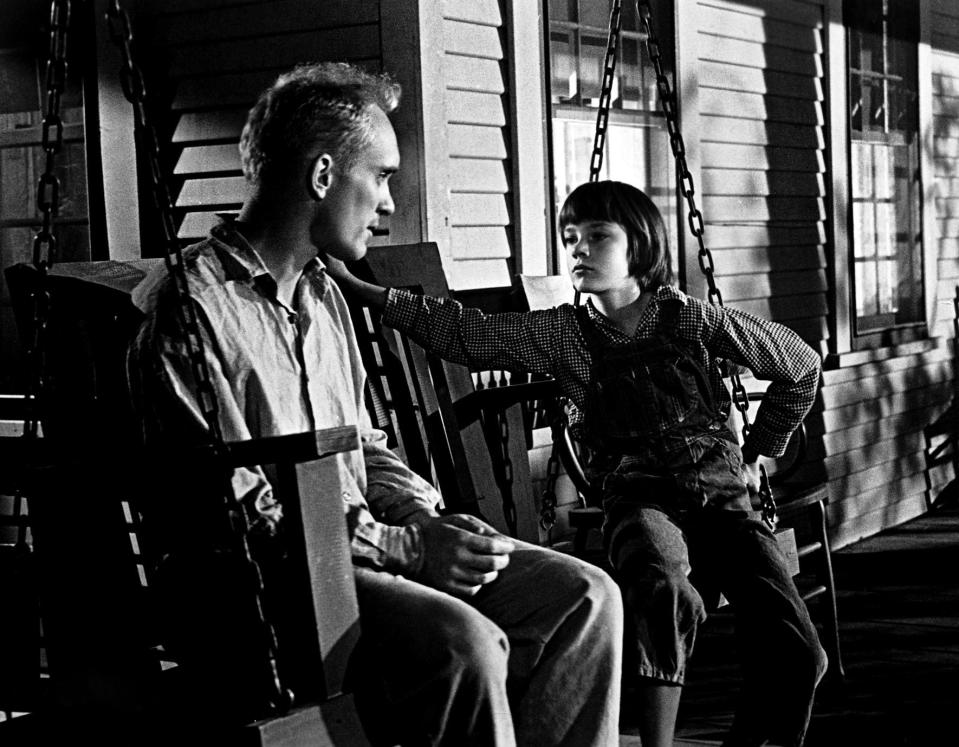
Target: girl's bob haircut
pixel 617 202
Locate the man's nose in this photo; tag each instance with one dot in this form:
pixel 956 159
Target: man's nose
pixel 386 206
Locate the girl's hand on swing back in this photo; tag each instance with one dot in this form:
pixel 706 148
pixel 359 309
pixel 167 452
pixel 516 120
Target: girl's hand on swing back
pixel 369 293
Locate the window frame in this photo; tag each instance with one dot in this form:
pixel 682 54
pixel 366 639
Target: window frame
pixel 845 344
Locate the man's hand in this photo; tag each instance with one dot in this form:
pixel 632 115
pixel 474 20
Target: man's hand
pixel 462 553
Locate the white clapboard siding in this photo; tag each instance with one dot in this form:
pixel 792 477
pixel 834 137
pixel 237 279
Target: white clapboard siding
pixel 478 168
pixel 477 141
pixel 218 56
pixel 721 76
pixel 768 258
pixel 736 288
pixel 762 154
pixel 470 242
pixel 733 129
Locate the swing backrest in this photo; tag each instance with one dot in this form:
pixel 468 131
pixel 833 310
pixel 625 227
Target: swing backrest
pixel 433 412
pixel 98 607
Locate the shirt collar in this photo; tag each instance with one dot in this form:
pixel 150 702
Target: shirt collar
pixel 663 293
pixel 241 261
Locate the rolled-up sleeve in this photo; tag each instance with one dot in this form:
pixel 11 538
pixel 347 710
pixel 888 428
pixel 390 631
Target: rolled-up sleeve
pixel 775 353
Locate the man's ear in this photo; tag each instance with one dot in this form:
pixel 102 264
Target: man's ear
pixel 321 176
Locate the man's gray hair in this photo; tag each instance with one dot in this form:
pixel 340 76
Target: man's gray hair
pixel 313 109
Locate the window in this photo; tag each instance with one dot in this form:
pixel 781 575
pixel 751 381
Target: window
pixel 637 146
pixel 886 194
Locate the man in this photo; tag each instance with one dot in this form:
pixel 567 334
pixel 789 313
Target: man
pixel 470 637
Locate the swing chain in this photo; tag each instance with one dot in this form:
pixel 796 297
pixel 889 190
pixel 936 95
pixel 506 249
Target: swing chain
pixel 238 524
pixel 506 480
pixel 547 514
pixel 48 205
pixel 44 241
pixel 606 91
pixel 696 226
pixel 505 473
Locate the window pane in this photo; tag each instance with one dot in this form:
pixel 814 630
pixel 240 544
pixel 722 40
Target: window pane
pixel 592 13
pixel 903 108
pixel 885 231
pixel 559 10
pixel 572 149
pixel 862 183
pixel 562 63
pixel 866 287
pixel 864 226
pixel 630 73
pixel 884 170
pixel 888 287
pixel 592 57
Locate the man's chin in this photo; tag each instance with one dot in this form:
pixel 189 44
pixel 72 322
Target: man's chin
pixel 348 254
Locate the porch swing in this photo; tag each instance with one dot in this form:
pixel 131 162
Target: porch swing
pixel 801 505
pixel 108 676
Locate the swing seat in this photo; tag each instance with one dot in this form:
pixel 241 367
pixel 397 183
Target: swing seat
pixel 109 676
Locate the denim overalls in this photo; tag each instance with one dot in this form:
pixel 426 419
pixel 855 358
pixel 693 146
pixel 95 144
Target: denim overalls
pixel 676 501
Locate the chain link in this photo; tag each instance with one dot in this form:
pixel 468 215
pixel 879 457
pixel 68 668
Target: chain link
pixel 696 227
pixel 134 88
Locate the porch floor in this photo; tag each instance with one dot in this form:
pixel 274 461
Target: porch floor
pixel 898 599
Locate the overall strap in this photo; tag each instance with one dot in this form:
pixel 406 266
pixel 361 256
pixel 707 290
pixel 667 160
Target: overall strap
pixel 669 315
pixel 594 340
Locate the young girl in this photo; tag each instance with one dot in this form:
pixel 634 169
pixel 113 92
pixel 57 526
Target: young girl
pixel 638 364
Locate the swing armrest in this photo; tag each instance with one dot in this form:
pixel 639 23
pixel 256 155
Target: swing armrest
pixel 298 447
pixel 571 462
pixel 468 410
pixel 498 398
